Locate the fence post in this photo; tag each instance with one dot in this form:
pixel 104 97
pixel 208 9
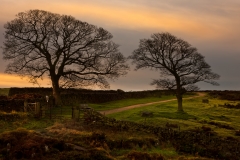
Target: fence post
pixel 43 112
pixel 75 113
pixel 72 112
pixel 37 108
pixel 25 106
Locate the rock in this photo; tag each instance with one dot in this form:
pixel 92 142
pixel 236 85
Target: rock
pixel 147 114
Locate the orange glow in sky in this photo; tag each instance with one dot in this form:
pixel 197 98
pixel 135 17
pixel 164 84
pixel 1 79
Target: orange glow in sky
pixel 7 81
pixel 130 17
pixel 212 26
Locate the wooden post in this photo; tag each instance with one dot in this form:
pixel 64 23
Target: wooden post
pixel 43 112
pixel 37 108
pixel 75 113
pixel 25 106
pixel 72 112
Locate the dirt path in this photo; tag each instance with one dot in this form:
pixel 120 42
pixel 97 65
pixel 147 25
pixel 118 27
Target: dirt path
pixel 142 105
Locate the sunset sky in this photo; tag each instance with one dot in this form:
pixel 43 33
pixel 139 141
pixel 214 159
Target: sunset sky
pixel 213 27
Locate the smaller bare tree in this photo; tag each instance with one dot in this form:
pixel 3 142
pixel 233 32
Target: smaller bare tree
pixel 180 65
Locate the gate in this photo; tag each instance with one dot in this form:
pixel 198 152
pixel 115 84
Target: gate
pixel 66 112
pixel 57 112
pixel 32 108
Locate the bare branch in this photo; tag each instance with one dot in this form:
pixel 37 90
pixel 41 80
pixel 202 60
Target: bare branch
pixel 39 43
pixel 176 60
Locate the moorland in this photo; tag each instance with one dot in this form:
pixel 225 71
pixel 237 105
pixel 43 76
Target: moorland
pixel 207 129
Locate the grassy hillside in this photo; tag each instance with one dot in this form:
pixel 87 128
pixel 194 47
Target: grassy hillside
pixel 224 121
pixel 126 135
pixel 29 138
pixel 133 101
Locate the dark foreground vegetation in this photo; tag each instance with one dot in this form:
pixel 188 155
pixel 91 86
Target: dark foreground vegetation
pixel 95 136
pixel 226 95
pixel 99 137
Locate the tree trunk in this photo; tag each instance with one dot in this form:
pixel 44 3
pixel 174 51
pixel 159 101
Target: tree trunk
pixel 56 91
pixel 179 99
pixel 179 94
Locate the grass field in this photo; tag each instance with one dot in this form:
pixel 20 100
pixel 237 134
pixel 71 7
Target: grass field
pixel 224 121
pixel 129 102
pixel 66 111
pixel 196 114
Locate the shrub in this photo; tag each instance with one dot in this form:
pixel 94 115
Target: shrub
pixel 205 101
pixel 221 125
pixel 202 141
pixel 226 95
pixel 3 97
pixel 8 105
pixel 147 114
pixel 171 125
pixel 26 144
pixel 13 116
pixel 237 133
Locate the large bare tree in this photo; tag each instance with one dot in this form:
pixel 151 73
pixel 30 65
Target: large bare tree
pixel 179 64
pixel 71 52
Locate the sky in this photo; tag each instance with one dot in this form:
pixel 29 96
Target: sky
pixel 213 27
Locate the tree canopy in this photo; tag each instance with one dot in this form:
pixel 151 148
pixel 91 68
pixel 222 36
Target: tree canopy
pixel 71 52
pixel 180 65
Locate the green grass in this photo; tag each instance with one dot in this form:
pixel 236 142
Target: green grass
pixel 129 102
pixel 29 123
pixel 4 91
pixel 196 114
pixel 37 124
pixel 167 152
pixel 65 111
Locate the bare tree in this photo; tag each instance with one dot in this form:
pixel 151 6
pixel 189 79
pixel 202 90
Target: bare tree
pixel 72 53
pixel 180 65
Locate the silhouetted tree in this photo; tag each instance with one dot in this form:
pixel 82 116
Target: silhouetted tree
pixel 72 53
pixel 180 65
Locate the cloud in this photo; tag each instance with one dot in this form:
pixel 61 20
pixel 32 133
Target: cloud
pixel 211 26
pixel 167 17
